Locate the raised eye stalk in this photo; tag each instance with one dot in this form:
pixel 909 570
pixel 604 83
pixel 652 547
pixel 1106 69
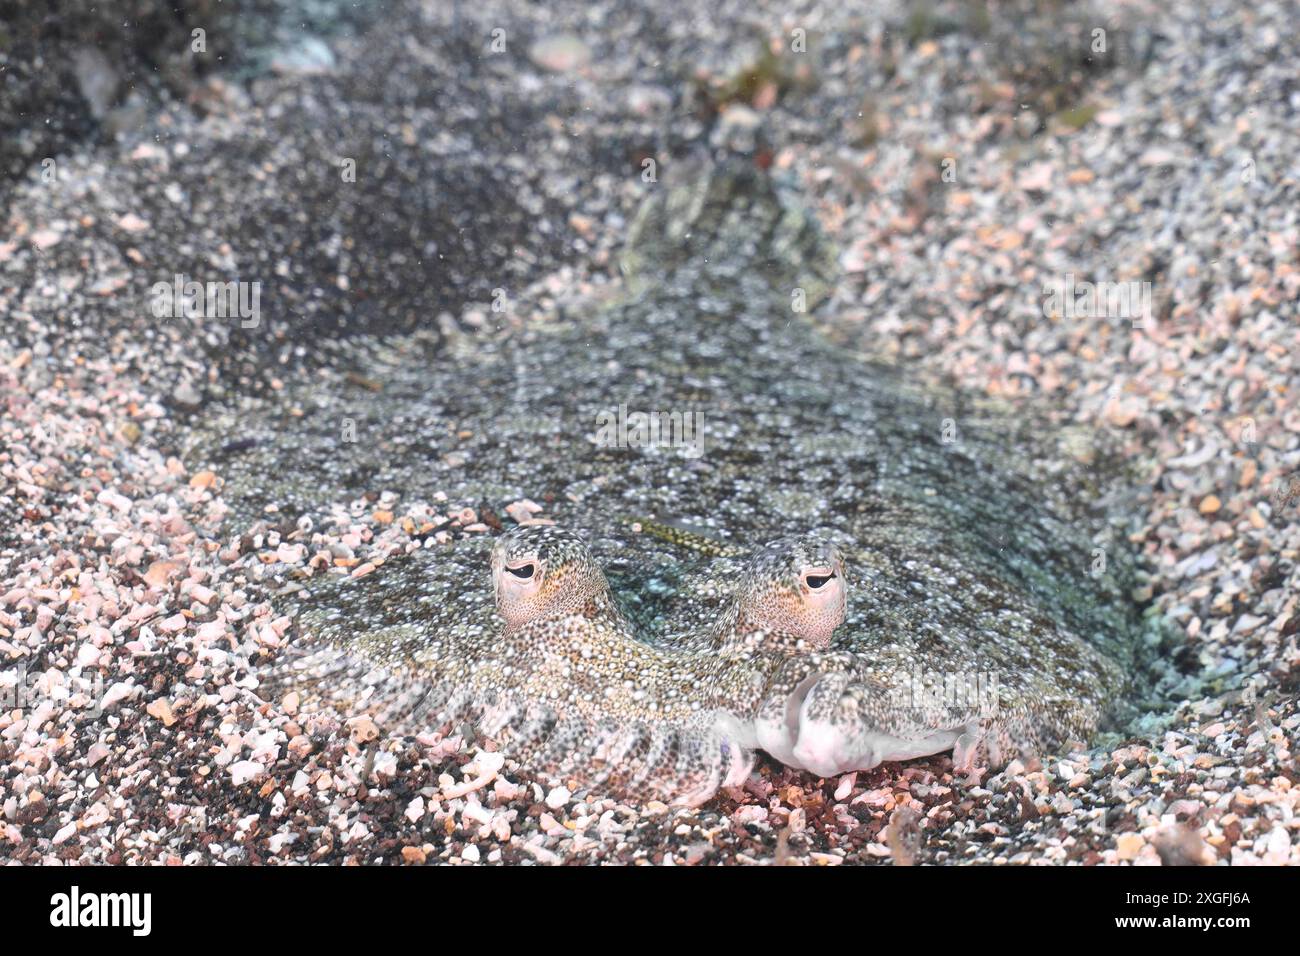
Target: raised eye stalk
pixel 816 580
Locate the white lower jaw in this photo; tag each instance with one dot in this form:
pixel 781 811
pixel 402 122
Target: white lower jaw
pixel 828 751
pixel 778 733
pixel 777 739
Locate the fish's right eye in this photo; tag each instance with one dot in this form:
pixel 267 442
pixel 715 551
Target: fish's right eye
pixel 818 581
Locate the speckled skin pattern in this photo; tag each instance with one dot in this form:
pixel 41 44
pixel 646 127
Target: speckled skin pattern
pixel 831 712
pixel 558 678
pixel 973 550
pixel 765 595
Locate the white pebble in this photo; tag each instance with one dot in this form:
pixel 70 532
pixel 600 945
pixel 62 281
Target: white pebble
pixel 118 692
pixel 845 786
pixel 414 810
pixel 242 771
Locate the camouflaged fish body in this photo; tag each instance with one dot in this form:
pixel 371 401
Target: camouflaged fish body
pixel 721 601
pixel 558 678
pixel 972 545
pixel 829 706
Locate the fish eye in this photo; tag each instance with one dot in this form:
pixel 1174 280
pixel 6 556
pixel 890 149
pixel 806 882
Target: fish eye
pixel 817 581
pixel 523 573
